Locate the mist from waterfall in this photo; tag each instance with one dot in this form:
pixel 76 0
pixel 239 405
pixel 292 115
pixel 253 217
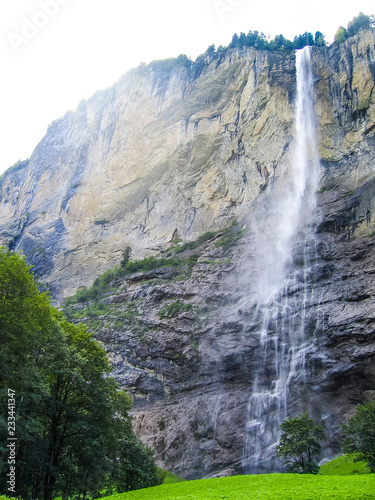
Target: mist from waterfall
pixel 285 240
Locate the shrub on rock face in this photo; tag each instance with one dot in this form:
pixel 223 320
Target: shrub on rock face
pixel 126 256
pixel 299 444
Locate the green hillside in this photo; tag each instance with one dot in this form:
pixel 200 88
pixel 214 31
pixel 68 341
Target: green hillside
pixel 262 487
pixel 344 466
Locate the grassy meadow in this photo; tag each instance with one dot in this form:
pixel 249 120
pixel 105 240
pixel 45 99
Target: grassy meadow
pixel 262 487
pixel 342 478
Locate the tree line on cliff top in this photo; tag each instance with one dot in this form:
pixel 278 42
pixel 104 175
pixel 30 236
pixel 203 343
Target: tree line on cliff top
pixel 261 41
pixel 69 421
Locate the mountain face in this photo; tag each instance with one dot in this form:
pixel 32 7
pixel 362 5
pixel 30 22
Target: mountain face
pixel 159 154
pixel 274 312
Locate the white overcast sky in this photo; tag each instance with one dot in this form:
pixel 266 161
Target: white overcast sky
pixel 56 52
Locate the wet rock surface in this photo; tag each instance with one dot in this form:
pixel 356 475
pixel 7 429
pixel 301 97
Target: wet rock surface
pixel 190 375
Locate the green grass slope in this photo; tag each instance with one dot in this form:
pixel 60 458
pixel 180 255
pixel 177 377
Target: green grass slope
pixel 344 466
pixel 172 478
pixel 262 487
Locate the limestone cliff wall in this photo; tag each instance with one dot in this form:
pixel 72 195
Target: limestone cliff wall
pixel 156 154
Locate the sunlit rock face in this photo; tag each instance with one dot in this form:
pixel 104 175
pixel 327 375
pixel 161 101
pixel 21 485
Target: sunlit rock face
pixel 164 155
pixel 156 154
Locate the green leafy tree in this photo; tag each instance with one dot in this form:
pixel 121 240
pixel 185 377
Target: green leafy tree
pixel 126 257
pixel 277 43
pixel 358 23
pixel 234 42
pixel 299 444
pixel 72 419
pixel 183 60
pixel 252 38
pixel 136 468
pixel 360 434
pixel 341 35
pixel 319 39
pixel 210 52
pixel 303 40
pixel 24 321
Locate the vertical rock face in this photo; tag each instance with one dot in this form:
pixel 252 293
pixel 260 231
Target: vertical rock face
pixel 169 154
pixel 157 153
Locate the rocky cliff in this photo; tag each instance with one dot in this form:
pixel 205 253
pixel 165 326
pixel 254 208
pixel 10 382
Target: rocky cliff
pixel 166 156
pixel 159 154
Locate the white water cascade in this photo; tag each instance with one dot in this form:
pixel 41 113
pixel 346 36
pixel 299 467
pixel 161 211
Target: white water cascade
pixel 286 255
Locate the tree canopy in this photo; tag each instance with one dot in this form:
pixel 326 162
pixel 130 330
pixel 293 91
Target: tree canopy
pixel 362 21
pixel 360 434
pixel 74 433
pixel 299 444
pixel 261 42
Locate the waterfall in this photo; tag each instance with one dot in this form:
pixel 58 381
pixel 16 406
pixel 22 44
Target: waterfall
pixel 286 256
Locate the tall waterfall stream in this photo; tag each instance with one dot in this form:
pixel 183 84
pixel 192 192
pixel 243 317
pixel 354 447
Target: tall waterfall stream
pixel 284 288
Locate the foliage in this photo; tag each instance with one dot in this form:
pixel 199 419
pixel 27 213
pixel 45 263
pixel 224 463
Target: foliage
pixel 303 40
pixel 230 238
pixel 109 280
pixel 262 487
pixel 104 282
pixel 345 465
pixel 166 65
pixel 359 23
pixel 360 434
pixel 73 428
pixel 126 257
pixel 137 469
pixel 259 41
pixel 150 263
pixel 174 309
pixel 191 245
pixel 19 165
pixel 341 35
pixel 319 39
pixel 24 321
pixel 170 478
pixel 278 44
pixel 299 444
pixel 362 21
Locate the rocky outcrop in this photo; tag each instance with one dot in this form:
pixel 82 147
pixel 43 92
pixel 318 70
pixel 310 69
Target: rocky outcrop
pixel 166 156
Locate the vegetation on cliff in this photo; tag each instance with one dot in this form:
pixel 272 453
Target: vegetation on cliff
pixel 18 166
pixel 173 257
pixel 355 26
pixel 71 421
pixel 260 41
